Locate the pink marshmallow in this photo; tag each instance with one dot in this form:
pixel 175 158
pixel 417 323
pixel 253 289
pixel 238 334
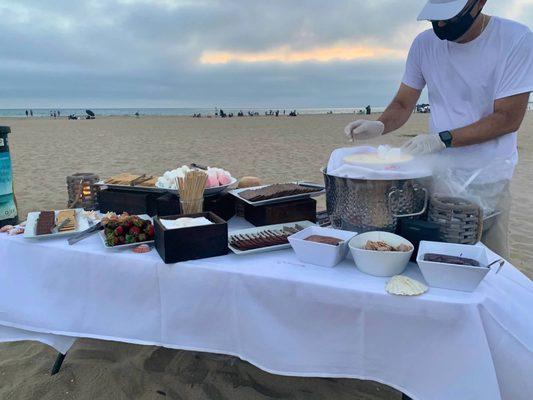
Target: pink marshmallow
pixel 212 181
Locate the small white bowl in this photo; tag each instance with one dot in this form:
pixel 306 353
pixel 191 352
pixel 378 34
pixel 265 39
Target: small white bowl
pixel 380 263
pixel 321 254
pixel 453 276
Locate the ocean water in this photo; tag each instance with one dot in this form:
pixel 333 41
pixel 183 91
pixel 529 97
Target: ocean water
pixel 107 112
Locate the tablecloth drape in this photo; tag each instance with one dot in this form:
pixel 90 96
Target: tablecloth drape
pixel 284 316
pixel 58 342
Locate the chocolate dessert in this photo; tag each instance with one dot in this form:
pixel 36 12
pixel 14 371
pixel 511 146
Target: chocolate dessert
pixel 265 238
pixel 442 258
pixel 275 191
pixel 45 223
pixel 324 240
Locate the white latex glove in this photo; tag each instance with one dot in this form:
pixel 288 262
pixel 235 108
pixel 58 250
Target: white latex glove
pixel 363 129
pixel 424 144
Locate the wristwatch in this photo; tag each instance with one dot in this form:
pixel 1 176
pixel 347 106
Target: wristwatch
pixel 446 137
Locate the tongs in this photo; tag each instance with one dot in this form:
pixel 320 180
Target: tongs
pixel 86 233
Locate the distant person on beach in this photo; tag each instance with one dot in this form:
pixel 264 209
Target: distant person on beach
pixel 27 113
pixel 58 113
pixel 31 113
pixel 368 110
pixel 479 73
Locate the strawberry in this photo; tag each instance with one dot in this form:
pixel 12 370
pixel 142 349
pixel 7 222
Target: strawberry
pixel 119 231
pixel 150 231
pixel 137 222
pixel 134 231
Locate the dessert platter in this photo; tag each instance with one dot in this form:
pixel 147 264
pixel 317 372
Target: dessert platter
pixel 277 193
pixel 46 224
pixel 264 238
pixel 218 180
pixel 124 231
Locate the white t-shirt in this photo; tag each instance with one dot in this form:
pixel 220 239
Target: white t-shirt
pixel 463 82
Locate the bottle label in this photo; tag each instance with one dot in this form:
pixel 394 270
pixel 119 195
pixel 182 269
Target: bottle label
pixel 6 178
pixel 8 209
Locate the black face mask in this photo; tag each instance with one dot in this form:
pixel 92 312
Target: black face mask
pixel 456 27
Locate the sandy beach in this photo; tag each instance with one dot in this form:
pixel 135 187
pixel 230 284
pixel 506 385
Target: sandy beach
pixel 280 149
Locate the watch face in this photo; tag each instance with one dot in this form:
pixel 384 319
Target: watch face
pixel 446 137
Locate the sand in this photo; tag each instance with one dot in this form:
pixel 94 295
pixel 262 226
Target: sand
pixel 45 151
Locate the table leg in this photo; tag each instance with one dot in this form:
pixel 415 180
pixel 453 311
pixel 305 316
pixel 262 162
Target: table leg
pixel 58 363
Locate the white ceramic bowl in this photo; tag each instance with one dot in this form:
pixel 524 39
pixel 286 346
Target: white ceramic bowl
pixel 319 253
pixel 380 263
pixel 452 276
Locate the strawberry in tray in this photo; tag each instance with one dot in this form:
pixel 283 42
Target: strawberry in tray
pixel 126 229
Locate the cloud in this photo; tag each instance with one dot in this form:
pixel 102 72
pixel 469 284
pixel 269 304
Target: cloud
pixel 206 52
pixel 286 55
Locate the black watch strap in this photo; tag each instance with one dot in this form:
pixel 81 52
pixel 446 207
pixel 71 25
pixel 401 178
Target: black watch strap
pixel 446 137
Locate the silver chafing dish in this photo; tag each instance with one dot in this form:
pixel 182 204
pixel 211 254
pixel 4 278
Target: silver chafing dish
pixel 362 205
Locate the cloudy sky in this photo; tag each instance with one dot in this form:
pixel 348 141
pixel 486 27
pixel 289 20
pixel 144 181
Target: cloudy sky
pixel 206 53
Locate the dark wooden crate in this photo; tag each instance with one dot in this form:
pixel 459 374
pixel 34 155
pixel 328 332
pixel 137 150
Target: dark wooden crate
pixel 222 205
pixel 280 213
pixel 175 245
pixel 130 201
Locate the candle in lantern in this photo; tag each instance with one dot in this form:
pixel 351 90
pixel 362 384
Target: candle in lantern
pixel 82 192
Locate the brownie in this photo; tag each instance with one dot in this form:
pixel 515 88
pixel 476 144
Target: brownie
pixel 275 191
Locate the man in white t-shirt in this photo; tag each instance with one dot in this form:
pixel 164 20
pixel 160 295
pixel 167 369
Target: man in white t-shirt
pixel 479 74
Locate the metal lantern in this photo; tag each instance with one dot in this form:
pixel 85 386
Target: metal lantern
pixel 82 191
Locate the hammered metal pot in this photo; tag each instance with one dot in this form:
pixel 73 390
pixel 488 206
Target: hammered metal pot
pixel 360 205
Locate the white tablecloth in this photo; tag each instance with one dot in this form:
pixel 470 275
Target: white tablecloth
pixel 281 315
pixel 58 342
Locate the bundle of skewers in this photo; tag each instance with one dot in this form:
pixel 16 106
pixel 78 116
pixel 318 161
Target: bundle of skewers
pixel 191 191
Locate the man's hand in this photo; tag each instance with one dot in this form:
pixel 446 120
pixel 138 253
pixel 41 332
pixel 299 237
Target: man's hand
pixel 424 144
pixel 364 129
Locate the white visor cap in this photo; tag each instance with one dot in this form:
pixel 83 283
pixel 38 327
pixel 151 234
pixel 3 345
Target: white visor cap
pixel 441 10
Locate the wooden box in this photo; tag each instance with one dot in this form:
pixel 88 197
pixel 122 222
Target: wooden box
pixel 222 205
pixel 280 213
pixel 175 245
pixel 130 201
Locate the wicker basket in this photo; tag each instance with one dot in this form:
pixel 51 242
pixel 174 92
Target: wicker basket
pixel 460 220
pixel 82 191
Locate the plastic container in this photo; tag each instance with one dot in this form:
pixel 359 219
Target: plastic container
pixel 321 254
pixel 452 276
pixel 380 263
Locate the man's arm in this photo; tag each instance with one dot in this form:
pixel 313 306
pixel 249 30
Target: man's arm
pixel 400 109
pixel 506 118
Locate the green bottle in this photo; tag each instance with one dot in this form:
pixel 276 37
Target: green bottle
pixel 8 207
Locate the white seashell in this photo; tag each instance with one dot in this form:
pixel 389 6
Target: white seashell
pixel 404 286
pixel 16 231
pixel 6 228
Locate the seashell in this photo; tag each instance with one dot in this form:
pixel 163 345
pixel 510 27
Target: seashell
pixel 6 228
pixel 143 248
pixel 16 231
pixel 404 286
